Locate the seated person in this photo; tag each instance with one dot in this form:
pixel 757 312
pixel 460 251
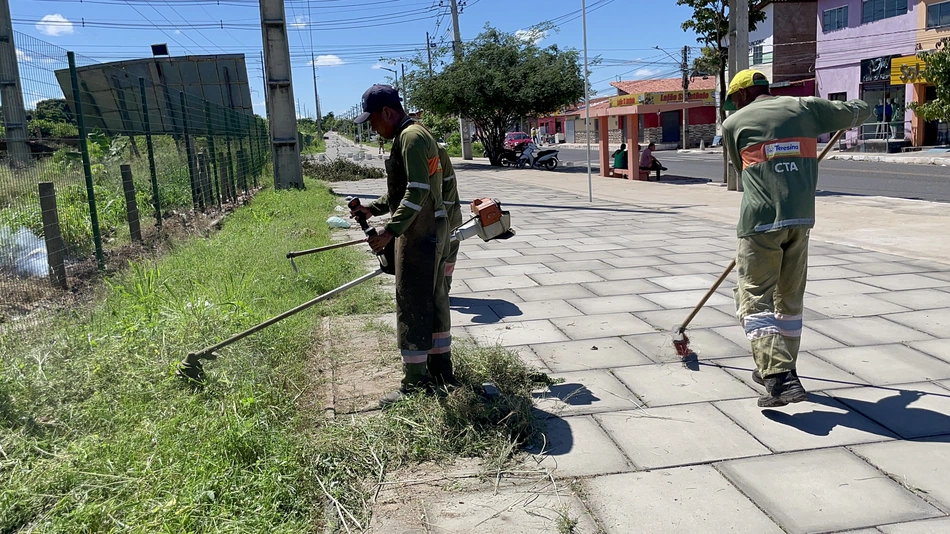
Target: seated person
pixel 620 157
pixel 648 162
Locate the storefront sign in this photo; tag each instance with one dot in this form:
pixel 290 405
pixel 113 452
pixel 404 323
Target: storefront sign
pixel 876 70
pixel 908 70
pixel 705 96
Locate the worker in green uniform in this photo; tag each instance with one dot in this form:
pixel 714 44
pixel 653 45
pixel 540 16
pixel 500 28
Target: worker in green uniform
pixel 450 198
pixel 773 140
pixel 420 227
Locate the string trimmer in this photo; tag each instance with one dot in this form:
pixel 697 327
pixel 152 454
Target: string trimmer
pixel 191 369
pixel 680 340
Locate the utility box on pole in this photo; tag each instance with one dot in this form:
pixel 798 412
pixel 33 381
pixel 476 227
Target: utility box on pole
pixel 285 148
pixel 11 95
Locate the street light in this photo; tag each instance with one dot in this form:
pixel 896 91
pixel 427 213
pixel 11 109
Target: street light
pixel 395 72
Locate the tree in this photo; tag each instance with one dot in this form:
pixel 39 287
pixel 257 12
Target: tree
pixel 498 79
pixel 710 22
pixel 441 126
pixel 54 110
pixel 938 73
pixel 329 122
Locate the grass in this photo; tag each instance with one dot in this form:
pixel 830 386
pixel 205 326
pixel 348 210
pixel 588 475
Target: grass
pixel 97 435
pixel 96 432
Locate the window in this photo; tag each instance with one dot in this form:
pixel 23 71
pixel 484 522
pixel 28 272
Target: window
pixel 835 19
pixel 872 10
pixel 757 55
pixel 840 97
pixel 938 15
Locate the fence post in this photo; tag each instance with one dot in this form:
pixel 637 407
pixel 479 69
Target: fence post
pixel 54 239
pixel 204 179
pixel 232 176
pixel 214 154
pixel 151 155
pixel 86 167
pixel 131 206
pixel 190 151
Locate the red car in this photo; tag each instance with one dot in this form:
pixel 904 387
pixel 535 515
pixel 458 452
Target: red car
pixel 516 140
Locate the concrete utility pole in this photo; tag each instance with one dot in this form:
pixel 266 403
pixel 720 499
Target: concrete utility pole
pixel 685 96
pixel 738 60
pixel 457 48
pixel 285 149
pixel 11 95
pixel 316 96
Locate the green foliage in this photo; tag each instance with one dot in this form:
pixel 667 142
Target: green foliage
pixel 454 146
pixel 50 129
pixel 497 79
pixel 441 126
pixel 54 110
pixel 98 435
pixel 339 170
pixel 938 73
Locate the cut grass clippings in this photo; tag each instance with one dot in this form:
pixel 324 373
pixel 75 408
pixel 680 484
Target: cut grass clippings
pixel 97 435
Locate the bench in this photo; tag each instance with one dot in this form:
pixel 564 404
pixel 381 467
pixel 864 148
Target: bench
pixel 645 176
pixel 619 173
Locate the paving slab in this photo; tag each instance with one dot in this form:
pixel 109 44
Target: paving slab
pixel 824 490
pixel 933 322
pixel 685 282
pixel 628 273
pixel 668 320
pixel 680 269
pixel 534 310
pixel 524 268
pixel 887 364
pixel 613 304
pixel 621 287
pixel 885 268
pixel 853 306
pixel 918 299
pixel 685 299
pixel 815 423
pixel 600 353
pixel 666 384
pixel 565 277
pixel 576 265
pixel 672 501
pixel 564 292
pixel 471 273
pixel 512 511
pixel 911 410
pixel 815 373
pixel 586 392
pixel 699 257
pixel 472 315
pixel 599 255
pixel 706 344
pixel 928 526
pixel 921 466
pixel 481 262
pixel 516 333
pixel 832 272
pixel 678 435
pixel 492 253
pixel 860 331
pixel 831 288
pixel 514 281
pixel 820 260
pixel 644 260
pixel 903 282
pixel 483 297
pixel 533 258
pixel 577 447
pixel 602 325
pixel 938 348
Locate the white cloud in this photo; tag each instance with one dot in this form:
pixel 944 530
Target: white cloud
pixel 328 60
pixel 21 56
pixel 177 32
pixel 54 25
pixel 300 21
pixel 533 35
pixel 646 71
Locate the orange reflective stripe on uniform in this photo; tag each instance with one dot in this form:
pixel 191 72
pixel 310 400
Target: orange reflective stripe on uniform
pixel 435 165
pixel 790 147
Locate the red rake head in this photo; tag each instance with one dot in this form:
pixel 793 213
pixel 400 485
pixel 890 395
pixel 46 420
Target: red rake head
pixel 681 344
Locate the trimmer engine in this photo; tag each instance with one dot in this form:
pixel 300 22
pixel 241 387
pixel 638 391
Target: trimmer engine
pixel 488 222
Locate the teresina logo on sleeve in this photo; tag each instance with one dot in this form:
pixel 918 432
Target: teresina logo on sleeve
pixel 789 147
pixel 780 150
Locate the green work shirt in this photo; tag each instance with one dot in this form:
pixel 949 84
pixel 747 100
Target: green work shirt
pixel 450 192
pixel 416 166
pixel 773 141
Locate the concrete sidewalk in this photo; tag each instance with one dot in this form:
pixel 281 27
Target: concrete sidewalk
pixel 638 442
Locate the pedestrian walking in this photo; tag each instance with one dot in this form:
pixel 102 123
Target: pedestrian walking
pixel 773 141
pixel 419 227
pixel 382 144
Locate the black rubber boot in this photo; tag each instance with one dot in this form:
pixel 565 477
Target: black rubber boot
pixel 416 379
pixel 781 389
pixel 440 369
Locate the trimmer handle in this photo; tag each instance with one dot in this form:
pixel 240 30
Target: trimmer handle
pixel 387 256
pixel 353 203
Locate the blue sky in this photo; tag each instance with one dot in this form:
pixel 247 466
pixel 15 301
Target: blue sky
pixel 622 32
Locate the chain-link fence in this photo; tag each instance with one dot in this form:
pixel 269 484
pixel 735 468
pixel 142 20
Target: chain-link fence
pixel 82 179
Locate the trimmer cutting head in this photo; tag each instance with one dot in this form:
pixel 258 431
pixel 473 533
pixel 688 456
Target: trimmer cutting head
pixel 681 344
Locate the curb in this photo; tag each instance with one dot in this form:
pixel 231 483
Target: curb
pixel 938 160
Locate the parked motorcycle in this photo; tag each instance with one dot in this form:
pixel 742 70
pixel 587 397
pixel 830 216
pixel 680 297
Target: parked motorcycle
pixel 510 157
pixel 535 159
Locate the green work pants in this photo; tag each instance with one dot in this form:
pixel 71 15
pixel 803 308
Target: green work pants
pixel 772 269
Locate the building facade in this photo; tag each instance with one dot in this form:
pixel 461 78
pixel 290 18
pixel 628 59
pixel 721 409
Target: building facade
pixel 856 43
pixel 933 33
pixel 785 52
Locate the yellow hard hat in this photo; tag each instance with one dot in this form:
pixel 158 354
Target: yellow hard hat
pixel 743 80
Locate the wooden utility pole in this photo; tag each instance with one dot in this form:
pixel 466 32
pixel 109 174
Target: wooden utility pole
pixel 11 94
pixel 285 148
pixel 738 60
pixel 429 52
pixel 685 96
pixel 457 48
pixel 316 97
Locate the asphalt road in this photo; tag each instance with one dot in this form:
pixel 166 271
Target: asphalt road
pixel 922 182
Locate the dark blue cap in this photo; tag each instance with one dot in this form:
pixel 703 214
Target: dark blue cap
pixel 376 98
